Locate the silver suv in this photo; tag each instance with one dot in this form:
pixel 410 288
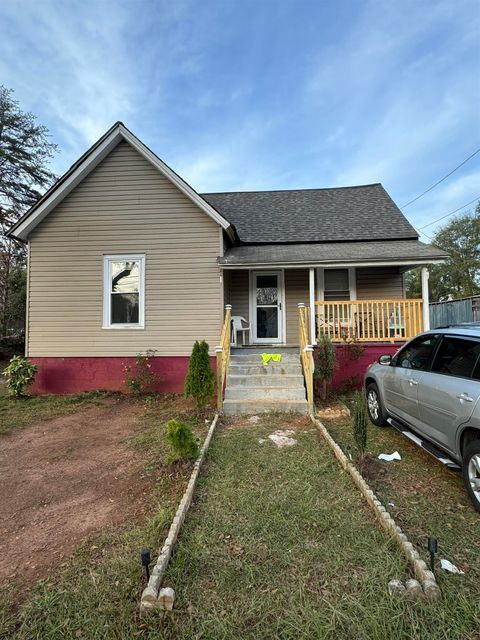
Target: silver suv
pixel 431 387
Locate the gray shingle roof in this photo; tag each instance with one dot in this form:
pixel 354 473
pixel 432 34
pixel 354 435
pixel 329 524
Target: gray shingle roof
pixel 313 215
pixel 331 252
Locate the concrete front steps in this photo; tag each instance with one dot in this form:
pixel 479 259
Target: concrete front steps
pixel 253 387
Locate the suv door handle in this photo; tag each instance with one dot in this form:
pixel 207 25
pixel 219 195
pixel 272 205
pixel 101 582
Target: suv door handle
pixel 465 397
pixel 413 383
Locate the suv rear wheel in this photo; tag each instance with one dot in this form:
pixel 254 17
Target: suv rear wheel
pixel 471 472
pixel 376 412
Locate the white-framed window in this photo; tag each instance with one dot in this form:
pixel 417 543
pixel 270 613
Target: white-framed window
pixel 124 292
pixel 336 284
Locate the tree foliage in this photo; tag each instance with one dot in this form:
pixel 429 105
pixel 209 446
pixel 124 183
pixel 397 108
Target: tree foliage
pixel 325 363
pixel 200 381
pixel 459 277
pixel 25 152
pixel 181 439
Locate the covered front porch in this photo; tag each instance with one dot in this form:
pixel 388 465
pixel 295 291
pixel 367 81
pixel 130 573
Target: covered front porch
pixel 358 303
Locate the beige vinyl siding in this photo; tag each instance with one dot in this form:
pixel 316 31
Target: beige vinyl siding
pixel 374 283
pixel 296 290
pixel 239 292
pixel 125 206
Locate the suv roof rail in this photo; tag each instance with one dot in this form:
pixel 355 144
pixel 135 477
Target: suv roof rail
pixel 461 325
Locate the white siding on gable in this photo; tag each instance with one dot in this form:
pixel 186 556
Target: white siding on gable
pixel 125 206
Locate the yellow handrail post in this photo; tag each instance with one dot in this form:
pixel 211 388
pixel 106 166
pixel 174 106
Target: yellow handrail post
pixel 306 352
pixel 219 354
pixel 223 354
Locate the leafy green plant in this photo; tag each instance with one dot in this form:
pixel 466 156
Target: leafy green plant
pixel 180 438
pixel 325 363
pixel 19 374
pixel 200 381
pixel 139 378
pixel 360 422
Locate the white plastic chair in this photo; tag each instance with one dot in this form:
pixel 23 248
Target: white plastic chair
pixel 239 324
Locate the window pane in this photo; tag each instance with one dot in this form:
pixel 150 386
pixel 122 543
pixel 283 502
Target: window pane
pixel 267 289
pixel 417 354
pixel 267 322
pixel 336 279
pixel 456 357
pixel 125 276
pixel 124 308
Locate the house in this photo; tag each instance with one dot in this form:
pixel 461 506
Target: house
pixel 125 256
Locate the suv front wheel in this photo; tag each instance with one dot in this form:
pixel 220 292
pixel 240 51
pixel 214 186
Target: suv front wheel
pixel 471 472
pixel 376 412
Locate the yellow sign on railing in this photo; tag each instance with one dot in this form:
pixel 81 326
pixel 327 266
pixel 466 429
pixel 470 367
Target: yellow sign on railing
pixel 369 320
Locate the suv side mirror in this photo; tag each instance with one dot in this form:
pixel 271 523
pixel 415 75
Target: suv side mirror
pixel 385 359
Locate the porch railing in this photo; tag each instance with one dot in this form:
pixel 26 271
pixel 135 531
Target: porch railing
pixel 306 352
pixel 369 320
pixel 223 354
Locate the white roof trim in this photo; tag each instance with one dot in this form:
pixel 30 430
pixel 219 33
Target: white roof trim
pixel 118 133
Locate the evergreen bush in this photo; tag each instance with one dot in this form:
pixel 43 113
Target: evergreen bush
pixel 360 422
pixel 200 381
pixel 181 439
pixel 325 363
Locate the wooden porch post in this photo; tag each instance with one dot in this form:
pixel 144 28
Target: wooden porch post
pixel 311 275
pixel 425 298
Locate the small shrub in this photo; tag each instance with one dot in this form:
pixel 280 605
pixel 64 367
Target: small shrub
pixel 200 381
pixel 180 438
pixel 19 374
pixel 139 378
pixel 360 422
pixel 325 363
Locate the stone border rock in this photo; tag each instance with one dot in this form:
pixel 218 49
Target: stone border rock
pixel 153 596
pixel 424 576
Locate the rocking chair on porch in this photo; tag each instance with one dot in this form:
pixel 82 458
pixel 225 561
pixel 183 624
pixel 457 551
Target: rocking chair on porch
pixel 239 324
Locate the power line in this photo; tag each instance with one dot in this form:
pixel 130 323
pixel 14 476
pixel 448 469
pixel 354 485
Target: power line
pixel 448 214
pixel 441 180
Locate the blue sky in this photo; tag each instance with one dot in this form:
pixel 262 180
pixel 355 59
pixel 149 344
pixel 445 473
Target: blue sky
pixel 264 94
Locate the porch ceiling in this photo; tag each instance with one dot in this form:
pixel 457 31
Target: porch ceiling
pixel 399 252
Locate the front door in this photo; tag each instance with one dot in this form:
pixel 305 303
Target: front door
pixel 266 306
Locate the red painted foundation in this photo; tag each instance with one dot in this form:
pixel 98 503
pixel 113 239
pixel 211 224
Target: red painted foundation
pixel 76 374
pixel 352 365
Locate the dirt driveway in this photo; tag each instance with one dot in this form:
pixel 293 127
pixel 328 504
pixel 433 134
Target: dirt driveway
pixel 61 481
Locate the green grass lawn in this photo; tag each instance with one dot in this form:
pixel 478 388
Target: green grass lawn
pixel 278 544
pixel 426 499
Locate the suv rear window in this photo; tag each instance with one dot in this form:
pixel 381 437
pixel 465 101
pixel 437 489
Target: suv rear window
pixel 456 357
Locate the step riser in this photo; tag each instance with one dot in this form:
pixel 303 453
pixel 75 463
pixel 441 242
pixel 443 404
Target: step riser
pixel 235 408
pixel 260 370
pixel 269 380
pixel 264 393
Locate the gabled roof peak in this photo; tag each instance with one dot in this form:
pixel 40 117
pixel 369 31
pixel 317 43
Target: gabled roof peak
pixel 87 163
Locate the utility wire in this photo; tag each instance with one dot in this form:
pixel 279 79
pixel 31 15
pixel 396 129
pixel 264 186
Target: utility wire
pixel 441 180
pixel 448 214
